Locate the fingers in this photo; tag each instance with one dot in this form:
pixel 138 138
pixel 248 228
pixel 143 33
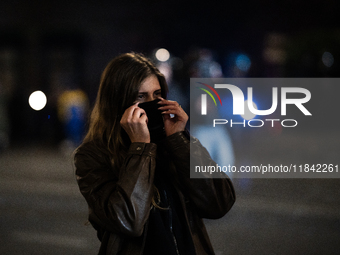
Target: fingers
pixel 139 113
pixel 167 102
pixel 171 107
pixel 171 110
pixel 134 114
pixel 129 112
pixel 168 105
pixel 134 122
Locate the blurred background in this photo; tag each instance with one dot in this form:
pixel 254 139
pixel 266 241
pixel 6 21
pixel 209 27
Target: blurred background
pixel 58 49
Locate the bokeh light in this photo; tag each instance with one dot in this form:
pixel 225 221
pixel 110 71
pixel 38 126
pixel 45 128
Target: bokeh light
pixel 162 55
pixel 37 100
pixel 243 62
pixel 327 59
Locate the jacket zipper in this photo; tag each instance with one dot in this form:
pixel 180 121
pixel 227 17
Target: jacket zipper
pixel 170 224
pixel 144 237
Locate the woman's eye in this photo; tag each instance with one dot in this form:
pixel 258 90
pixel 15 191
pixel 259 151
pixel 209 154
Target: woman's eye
pixel 141 96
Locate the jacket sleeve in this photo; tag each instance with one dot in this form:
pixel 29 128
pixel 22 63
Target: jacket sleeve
pixel 118 203
pixel 212 197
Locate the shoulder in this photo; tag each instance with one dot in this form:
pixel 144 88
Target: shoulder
pixel 91 149
pixel 91 155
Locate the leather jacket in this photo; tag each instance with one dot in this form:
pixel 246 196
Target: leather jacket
pixel 119 200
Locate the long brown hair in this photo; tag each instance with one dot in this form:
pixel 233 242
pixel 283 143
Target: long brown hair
pixel 119 86
pixel 118 90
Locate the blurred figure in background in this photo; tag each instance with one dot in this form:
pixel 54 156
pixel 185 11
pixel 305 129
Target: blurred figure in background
pixel 73 105
pixel 205 66
pixel 217 141
pixel 176 92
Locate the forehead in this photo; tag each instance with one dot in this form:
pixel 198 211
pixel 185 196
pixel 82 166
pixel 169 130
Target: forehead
pixel 150 83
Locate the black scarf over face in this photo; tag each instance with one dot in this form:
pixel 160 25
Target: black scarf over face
pixel 155 120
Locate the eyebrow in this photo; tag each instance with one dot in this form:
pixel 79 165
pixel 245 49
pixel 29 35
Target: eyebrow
pixel 145 93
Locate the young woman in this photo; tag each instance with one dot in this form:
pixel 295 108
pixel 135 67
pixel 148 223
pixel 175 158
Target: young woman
pixel 134 171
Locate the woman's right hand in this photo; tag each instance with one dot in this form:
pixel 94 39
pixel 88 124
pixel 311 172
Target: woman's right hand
pixel 134 121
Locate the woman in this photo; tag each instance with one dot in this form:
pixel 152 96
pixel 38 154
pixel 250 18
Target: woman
pixel 136 178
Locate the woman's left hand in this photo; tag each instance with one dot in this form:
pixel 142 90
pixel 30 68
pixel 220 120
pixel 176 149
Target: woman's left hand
pixel 178 122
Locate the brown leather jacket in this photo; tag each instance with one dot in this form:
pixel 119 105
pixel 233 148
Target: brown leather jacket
pixel 119 200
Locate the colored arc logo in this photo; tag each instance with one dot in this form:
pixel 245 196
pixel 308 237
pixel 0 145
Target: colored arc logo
pixel 209 93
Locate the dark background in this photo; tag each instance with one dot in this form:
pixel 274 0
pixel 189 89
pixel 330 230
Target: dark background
pixel 54 46
pixel 70 42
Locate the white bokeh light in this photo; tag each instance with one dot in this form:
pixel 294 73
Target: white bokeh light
pixel 248 115
pixel 37 100
pixel 327 59
pixel 162 55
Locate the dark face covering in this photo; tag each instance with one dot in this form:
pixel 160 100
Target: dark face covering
pixel 155 120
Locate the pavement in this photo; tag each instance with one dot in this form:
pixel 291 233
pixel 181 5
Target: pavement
pixel 42 210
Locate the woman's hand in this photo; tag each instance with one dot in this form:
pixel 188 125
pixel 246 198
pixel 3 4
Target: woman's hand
pixel 178 122
pixel 134 121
